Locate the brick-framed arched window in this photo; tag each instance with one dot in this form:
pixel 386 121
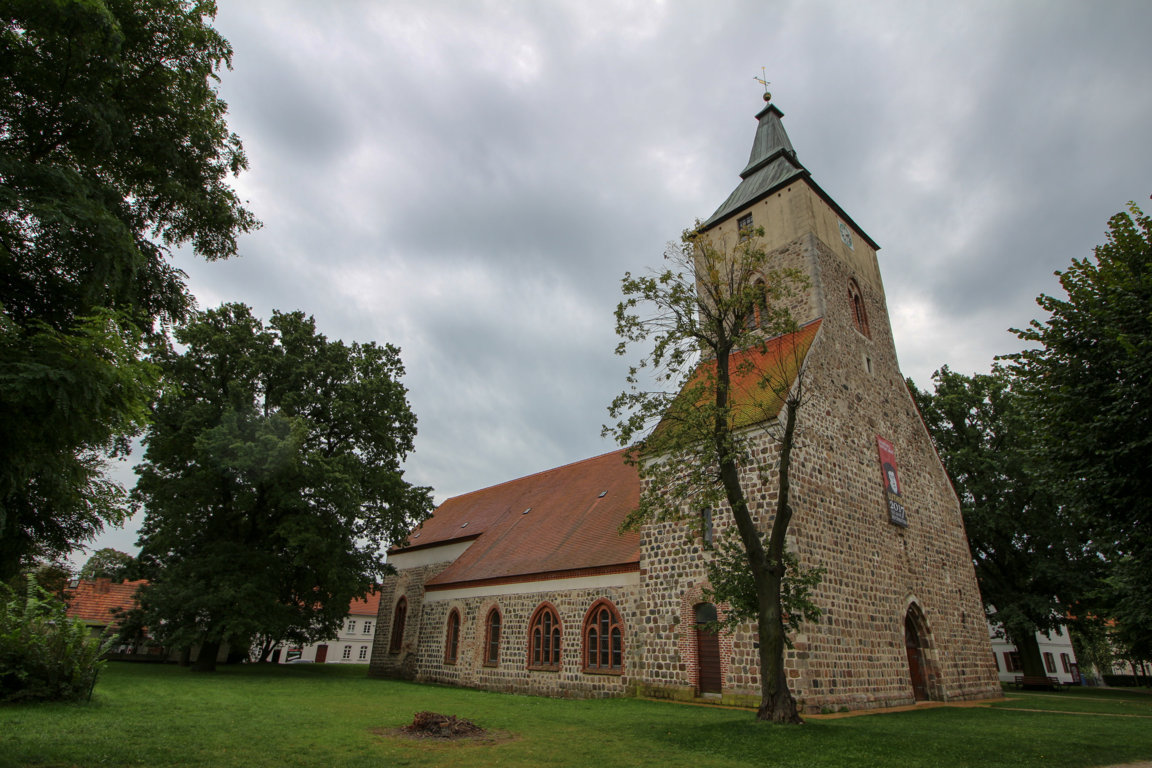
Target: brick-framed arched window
pixel 399 614
pixel 603 639
pixel 492 638
pixel 452 637
pixel 856 305
pixel 544 638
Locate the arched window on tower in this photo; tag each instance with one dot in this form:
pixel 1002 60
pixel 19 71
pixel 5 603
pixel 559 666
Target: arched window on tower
pixel 757 316
pixel 856 304
pixel 544 639
pixel 603 639
pixel 399 614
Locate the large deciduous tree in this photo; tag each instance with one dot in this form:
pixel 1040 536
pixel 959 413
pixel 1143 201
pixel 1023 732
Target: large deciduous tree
pixel 1031 562
pixel 271 480
pixel 1089 378
pixel 707 324
pixel 113 149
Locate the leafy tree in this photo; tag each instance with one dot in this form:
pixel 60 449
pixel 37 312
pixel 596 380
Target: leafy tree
pixel 1030 561
pixel 711 312
pixel 107 563
pixel 271 480
pixel 1089 379
pixel 113 149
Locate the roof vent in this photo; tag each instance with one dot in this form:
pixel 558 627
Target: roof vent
pixel 465 525
pixel 602 494
pixel 416 535
pixel 526 511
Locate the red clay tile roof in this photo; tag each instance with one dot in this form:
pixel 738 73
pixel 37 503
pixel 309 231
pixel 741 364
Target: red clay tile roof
pixel 760 377
pixel 369 606
pixel 93 602
pixel 572 524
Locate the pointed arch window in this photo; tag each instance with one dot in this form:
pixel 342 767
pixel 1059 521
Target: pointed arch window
pixel 492 638
pixel 757 316
pixel 452 638
pixel 544 639
pixel 856 305
pixel 603 639
pixel 399 614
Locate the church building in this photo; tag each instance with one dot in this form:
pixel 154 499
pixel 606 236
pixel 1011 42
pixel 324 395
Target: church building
pixel 530 587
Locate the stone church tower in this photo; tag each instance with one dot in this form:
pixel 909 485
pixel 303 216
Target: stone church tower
pixel 903 619
pixel 529 586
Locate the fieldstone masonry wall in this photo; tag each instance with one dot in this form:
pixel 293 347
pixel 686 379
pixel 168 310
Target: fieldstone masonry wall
pixel 423 655
pixel 856 655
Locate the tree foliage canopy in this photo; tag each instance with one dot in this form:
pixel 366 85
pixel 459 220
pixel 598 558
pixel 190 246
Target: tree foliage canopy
pixel 1089 379
pixel 107 563
pixel 271 479
pixel 701 321
pixel 113 149
pixel 1031 563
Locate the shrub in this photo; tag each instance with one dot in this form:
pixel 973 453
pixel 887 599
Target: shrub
pixel 44 655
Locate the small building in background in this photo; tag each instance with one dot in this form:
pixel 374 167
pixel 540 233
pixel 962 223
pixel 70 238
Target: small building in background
pixel 1055 647
pixel 353 644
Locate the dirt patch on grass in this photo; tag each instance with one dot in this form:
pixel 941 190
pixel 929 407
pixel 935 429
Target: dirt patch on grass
pixel 437 728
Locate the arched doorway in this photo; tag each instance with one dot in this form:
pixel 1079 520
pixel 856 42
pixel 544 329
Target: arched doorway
pixel 707 650
pixel 916 666
pixel 922 667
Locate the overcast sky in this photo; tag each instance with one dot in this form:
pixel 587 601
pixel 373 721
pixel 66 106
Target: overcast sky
pixel 470 181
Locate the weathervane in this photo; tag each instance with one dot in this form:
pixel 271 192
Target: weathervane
pixel 764 82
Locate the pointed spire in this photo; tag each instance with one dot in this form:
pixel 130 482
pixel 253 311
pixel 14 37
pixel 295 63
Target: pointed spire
pixel 771 165
pixel 771 139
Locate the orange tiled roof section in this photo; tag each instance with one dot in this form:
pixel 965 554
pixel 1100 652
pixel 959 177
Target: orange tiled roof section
pixel 369 606
pixel 752 399
pixel 94 602
pixel 558 522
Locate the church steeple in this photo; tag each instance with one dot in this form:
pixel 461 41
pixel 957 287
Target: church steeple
pixel 771 165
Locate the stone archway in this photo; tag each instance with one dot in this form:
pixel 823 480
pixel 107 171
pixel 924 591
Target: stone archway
pixel 922 668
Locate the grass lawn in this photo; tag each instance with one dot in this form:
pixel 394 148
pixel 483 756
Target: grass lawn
pixel 328 715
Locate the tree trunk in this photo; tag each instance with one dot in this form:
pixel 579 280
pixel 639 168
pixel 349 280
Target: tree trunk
pixel 206 660
pixel 1024 638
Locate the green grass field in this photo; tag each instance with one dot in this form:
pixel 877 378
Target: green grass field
pixel 331 715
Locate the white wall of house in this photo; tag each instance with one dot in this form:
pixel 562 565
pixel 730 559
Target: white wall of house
pixel 353 644
pixel 1055 648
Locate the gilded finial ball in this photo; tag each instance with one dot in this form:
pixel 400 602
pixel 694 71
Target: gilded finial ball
pixel 767 96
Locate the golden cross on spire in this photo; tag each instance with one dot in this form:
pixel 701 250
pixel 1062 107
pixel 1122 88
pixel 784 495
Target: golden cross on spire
pixel 764 82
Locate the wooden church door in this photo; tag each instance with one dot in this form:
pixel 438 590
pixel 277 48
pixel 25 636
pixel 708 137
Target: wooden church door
pixel 707 650
pixel 915 660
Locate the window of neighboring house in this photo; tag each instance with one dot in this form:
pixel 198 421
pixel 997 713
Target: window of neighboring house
pixel 744 225
pixel 492 638
pixel 398 617
pixel 351 626
pixel 856 304
pixel 1066 662
pixel 544 639
pixel 1049 662
pixel 1011 661
pixel 363 652
pixel 347 653
pixel 452 639
pixel 367 627
pixel 603 639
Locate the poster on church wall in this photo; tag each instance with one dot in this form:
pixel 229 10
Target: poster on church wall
pixel 896 513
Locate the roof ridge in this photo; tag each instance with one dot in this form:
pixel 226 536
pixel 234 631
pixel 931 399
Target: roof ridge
pixel 536 474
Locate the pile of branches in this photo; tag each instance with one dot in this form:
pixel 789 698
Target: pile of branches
pixel 437 726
